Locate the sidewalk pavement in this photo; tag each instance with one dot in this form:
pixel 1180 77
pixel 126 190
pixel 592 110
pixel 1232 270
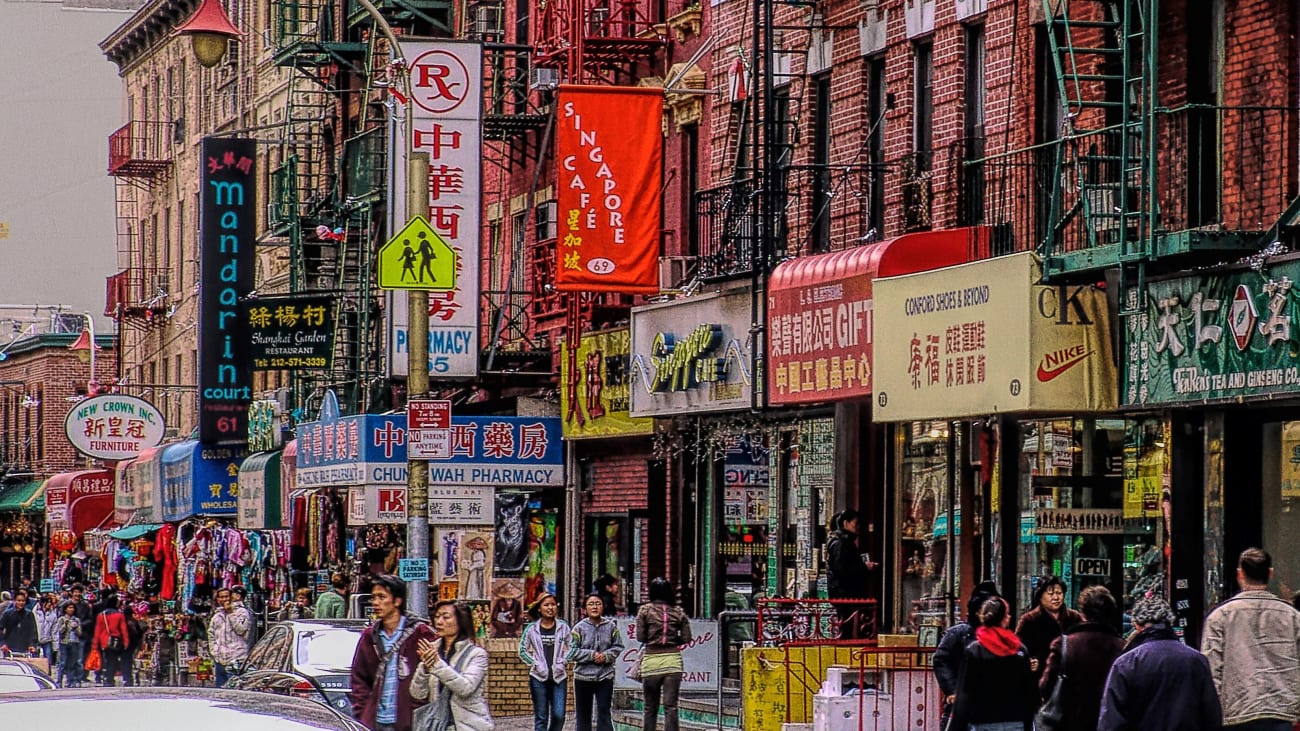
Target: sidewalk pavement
pixel 525 723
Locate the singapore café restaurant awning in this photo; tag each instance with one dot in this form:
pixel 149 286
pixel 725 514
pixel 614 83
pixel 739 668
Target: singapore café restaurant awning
pixel 259 493
pixel 821 311
pixel 200 480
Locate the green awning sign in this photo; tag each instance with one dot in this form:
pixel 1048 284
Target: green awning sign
pixel 259 492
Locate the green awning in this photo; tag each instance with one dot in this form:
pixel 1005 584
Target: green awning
pixel 22 497
pixel 132 532
pixel 259 492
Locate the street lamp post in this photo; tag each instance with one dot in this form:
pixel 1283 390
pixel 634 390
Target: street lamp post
pixel 210 30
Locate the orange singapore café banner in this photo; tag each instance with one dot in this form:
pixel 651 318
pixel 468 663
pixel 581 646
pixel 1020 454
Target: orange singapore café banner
pixel 610 149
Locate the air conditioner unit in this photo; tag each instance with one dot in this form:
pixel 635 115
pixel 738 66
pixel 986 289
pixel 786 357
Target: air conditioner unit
pixel 178 131
pixel 486 23
pixel 544 218
pixel 543 79
pixel 674 271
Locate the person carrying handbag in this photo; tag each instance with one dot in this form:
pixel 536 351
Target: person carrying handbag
pixel 663 628
pixel 112 640
pixel 1077 665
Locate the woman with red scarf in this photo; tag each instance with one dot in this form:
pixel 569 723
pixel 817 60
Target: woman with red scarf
pixel 996 690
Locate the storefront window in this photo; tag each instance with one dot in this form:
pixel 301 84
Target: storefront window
pixel 1094 500
pixel 927 569
pixel 743 548
pixel 1281 503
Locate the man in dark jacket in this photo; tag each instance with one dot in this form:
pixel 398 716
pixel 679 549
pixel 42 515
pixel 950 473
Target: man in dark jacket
pixel 385 659
pixel 846 573
pixel 1090 648
pixel 18 626
pixel 950 655
pixel 87 618
pixel 1159 684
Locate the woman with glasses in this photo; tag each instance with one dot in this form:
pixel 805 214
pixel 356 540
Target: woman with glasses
pixel 596 645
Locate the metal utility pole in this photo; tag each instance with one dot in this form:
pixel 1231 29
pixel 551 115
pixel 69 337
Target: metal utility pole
pixel 417 303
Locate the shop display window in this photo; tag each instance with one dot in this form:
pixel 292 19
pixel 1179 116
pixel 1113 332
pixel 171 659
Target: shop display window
pixel 926 562
pixel 1094 504
pixel 1281 505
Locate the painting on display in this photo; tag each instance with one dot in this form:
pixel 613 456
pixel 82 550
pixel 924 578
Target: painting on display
pixel 543 537
pixel 475 564
pixel 446 545
pixel 507 615
pixel 511 532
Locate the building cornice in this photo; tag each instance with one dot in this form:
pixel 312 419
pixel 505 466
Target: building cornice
pixel 146 30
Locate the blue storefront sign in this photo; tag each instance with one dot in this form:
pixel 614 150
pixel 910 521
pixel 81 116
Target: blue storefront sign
pixel 369 449
pixel 502 451
pixel 199 479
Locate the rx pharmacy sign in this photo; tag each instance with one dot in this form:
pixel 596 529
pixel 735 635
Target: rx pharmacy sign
pixel 1212 337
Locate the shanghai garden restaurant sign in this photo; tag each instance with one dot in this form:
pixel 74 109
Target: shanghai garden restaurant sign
pixel 1214 337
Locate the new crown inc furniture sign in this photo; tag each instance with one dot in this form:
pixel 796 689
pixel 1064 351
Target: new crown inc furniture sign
pixel 227 231
pixel 114 426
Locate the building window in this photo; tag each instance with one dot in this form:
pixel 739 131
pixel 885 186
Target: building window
pixel 877 105
pixel 971 207
pixel 691 185
pixel 821 153
pixel 923 99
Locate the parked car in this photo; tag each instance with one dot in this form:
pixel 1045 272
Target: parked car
pixel 307 658
pixel 192 709
pixel 24 683
pixel 10 666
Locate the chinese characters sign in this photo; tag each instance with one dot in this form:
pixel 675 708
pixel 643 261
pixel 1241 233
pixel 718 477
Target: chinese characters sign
pixel 595 395
pixel 1212 337
pixel 985 338
pixel 502 451
pixel 200 480
pixel 352 450
pixel 446 81
pixel 114 427
pixel 295 332
pixel 692 355
pixel 610 150
pixel 227 231
pixel 819 337
pixel 454 505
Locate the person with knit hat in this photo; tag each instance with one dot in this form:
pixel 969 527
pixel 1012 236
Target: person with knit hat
pixel 996 690
pixel 1158 683
pixel 950 655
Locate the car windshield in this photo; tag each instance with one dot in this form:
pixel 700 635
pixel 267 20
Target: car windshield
pixel 19 684
pixel 326 648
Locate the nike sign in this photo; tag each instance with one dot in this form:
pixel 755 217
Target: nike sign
pixel 1054 364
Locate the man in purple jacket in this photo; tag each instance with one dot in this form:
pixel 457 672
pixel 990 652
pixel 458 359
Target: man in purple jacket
pixel 386 658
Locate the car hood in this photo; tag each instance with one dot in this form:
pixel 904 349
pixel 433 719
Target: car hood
pixel 122 709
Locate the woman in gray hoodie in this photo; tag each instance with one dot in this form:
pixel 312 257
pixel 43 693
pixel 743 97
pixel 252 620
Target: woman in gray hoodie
pixel 596 644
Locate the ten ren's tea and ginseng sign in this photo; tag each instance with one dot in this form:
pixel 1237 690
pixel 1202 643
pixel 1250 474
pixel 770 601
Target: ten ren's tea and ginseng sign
pixel 227 220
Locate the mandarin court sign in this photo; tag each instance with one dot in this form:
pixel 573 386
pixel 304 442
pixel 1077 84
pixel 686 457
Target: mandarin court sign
pixel 114 427
pixel 1214 337
pixel 227 238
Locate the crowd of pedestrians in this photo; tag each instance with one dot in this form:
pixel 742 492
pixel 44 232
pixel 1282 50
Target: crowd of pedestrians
pixel 1067 670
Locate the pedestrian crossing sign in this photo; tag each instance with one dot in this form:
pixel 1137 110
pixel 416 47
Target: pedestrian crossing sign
pixel 417 258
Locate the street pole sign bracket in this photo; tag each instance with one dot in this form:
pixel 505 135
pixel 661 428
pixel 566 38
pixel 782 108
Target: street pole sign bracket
pixel 418 258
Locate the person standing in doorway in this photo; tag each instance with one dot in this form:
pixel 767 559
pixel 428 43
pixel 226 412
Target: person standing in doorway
pixel 1252 642
pixel 847 571
pixel 597 643
pixel 663 628
pixel 544 647
pixel 384 662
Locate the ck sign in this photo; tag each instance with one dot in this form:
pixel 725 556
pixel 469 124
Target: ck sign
pixel 439 81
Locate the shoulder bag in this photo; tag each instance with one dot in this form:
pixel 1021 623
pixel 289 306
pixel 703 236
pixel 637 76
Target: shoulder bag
pixel 1052 714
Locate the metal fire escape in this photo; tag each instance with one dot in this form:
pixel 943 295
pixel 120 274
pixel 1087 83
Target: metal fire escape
pixel 139 157
pixel 601 42
pixel 516 129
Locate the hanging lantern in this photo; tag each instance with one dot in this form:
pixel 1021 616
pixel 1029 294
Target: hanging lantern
pixel 63 540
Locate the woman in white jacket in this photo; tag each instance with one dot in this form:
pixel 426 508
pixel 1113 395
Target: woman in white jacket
pixel 452 675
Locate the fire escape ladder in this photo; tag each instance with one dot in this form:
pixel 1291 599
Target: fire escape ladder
pixel 1103 55
pixel 354 353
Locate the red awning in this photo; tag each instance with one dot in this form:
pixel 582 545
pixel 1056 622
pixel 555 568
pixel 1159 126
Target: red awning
pixel 820 311
pixel 84 498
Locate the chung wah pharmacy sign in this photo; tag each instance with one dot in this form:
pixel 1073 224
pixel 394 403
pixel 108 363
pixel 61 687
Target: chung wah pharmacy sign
pixel 114 427
pixel 1214 337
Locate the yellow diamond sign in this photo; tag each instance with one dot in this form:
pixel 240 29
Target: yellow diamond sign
pixel 417 258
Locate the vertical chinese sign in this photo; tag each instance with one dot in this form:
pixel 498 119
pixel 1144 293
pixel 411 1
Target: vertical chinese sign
pixel 610 149
pixel 446 87
pixel 227 221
